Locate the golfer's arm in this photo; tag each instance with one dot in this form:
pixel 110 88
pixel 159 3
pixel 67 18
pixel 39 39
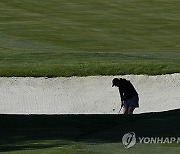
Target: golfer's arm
pixel 121 94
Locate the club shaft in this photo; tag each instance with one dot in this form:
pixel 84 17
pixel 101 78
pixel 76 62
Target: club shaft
pixel 120 110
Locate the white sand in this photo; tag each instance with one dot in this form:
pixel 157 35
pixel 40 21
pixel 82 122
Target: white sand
pixel 85 94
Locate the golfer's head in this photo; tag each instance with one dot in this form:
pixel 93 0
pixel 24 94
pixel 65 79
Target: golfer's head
pixel 115 82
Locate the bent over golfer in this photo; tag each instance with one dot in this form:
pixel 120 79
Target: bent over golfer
pixel 128 94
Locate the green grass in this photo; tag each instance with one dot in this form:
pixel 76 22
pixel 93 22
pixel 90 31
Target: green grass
pixel 80 38
pixel 79 134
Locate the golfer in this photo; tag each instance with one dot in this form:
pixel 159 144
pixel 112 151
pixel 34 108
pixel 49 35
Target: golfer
pixel 128 94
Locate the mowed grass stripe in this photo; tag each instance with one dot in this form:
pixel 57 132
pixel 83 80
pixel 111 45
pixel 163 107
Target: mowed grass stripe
pixel 103 37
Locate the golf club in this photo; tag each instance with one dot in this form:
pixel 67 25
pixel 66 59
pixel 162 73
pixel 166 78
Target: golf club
pixel 120 109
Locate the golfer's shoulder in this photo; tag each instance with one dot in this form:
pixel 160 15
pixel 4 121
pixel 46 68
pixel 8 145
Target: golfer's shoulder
pixel 124 81
pixel 128 84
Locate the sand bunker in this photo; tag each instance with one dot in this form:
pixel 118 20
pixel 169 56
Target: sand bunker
pixel 85 95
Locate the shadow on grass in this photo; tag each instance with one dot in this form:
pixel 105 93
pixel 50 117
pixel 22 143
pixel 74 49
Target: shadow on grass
pixel 20 132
